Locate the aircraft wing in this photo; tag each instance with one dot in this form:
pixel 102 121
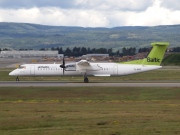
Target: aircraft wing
pixel 84 65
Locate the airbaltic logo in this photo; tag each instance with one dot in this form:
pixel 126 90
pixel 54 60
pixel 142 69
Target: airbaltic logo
pixel 153 59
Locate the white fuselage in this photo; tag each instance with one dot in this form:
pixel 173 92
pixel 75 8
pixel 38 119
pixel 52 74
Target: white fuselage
pixel 72 69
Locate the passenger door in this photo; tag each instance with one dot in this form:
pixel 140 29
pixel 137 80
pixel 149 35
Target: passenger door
pixel 115 70
pixel 32 70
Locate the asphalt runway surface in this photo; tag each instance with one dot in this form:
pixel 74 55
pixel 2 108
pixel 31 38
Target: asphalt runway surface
pixel 91 84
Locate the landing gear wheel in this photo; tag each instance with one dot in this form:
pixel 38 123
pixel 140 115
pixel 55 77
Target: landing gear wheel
pixel 86 80
pixel 17 78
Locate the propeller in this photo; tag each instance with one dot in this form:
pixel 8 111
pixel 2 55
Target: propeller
pixel 63 65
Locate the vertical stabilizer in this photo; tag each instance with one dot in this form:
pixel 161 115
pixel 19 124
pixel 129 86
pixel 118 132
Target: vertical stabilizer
pixel 156 55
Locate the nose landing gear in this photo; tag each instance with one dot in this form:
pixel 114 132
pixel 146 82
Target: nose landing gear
pixel 17 78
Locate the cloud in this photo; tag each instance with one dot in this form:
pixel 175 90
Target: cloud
pixel 154 15
pixel 55 16
pixel 134 5
pixel 90 13
pixel 15 4
pixel 173 5
pixel 128 5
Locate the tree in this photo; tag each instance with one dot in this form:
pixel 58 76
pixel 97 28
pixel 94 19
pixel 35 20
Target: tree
pixel 117 53
pixel 88 50
pixel 67 52
pixel 134 51
pixel 75 49
pixel 144 49
pixel 93 50
pixel 124 51
pixel 42 49
pixel 52 48
pixel 83 50
pixel 60 51
pixel 176 49
pixel 110 51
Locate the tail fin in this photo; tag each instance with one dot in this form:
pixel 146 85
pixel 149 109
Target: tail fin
pixel 154 57
pixel 157 53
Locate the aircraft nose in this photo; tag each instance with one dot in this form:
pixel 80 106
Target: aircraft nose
pixel 13 73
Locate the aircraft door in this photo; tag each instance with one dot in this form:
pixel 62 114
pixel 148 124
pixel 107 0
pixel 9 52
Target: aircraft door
pixel 32 70
pixel 115 70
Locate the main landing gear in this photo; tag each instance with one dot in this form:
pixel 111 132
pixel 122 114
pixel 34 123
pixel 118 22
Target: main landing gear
pixel 17 78
pixel 86 80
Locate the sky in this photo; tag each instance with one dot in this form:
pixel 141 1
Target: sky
pixel 91 13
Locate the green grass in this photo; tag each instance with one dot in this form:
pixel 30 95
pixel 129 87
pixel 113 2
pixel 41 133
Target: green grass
pixel 155 75
pixel 89 110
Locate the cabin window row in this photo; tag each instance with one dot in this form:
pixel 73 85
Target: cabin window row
pixel 49 68
pixel 106 69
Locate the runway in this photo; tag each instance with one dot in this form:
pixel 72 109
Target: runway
pixel 91 84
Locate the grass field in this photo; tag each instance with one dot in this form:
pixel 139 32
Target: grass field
pixel 89 111
pixel 155 75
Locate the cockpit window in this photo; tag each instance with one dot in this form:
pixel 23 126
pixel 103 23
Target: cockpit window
pixel 22 67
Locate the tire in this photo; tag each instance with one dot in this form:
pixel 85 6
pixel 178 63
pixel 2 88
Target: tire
pixel 86 80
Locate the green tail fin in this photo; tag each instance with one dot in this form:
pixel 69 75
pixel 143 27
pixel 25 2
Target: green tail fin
pixel 156 55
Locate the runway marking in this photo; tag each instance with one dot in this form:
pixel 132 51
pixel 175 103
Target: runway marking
pixel 78 84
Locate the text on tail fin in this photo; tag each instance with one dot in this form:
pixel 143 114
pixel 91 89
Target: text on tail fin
pixel 157 53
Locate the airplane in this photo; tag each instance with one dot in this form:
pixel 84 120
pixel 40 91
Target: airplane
pixel 86 68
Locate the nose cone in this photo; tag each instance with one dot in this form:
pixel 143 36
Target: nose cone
pixel 13 73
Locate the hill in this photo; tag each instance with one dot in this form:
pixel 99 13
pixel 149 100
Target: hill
pixel 33 36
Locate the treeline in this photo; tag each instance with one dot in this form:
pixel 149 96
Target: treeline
pixel 175 49
pixel 79 51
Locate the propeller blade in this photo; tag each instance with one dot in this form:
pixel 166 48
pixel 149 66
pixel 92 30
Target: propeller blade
pixel 63 61
pixel 63 65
